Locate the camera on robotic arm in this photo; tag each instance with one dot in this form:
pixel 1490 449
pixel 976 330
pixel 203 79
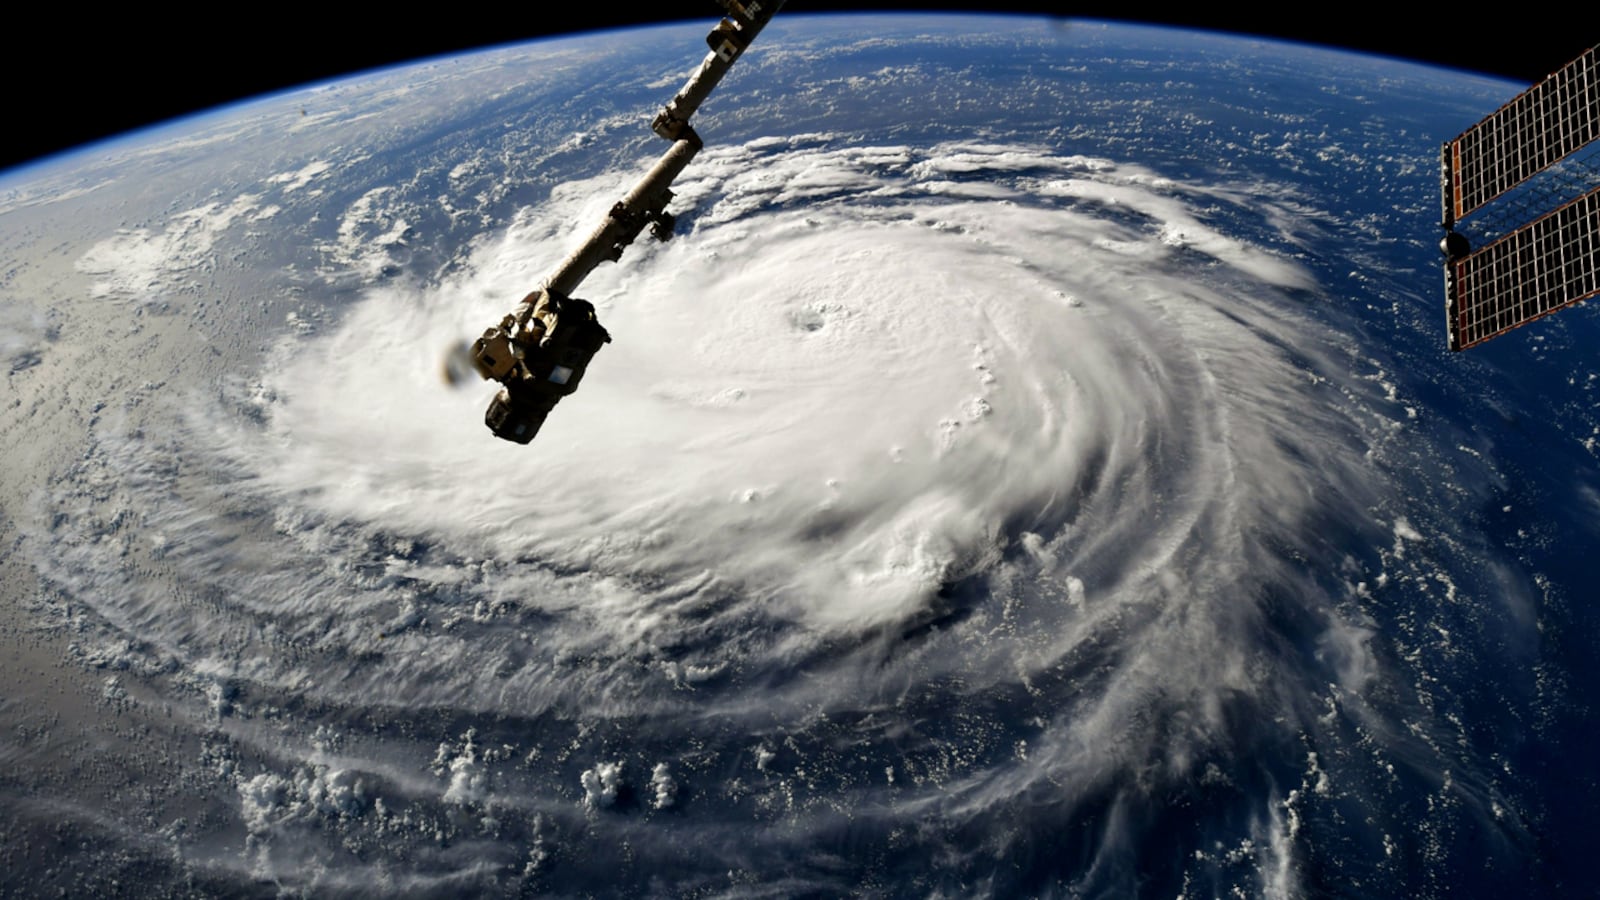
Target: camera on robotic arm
pixel 538 353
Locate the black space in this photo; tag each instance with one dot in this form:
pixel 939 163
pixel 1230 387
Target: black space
pixel 79 76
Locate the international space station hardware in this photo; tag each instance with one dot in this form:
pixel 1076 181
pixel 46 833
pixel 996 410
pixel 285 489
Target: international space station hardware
pixel 540 350
pixel 1528 178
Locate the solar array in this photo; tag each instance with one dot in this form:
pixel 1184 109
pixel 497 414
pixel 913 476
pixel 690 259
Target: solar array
pixel 1552 262
pixel 1548 262
pixel 1538 128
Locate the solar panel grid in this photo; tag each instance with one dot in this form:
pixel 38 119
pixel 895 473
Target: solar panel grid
pixel 1536 152
pixel 1554 186
pixel 1550 263
pixel 1536 129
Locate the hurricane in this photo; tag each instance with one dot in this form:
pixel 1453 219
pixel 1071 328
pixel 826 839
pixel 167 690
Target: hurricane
pixel 971 517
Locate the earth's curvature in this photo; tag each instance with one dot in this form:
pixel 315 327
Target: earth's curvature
pixel 1033 470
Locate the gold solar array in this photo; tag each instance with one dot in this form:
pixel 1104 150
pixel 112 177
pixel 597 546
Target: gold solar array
pixel 1552 262
pixel 1538 128
pixel 1540 265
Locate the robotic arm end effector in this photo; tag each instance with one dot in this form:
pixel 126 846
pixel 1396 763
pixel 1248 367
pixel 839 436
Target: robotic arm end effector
pixel 538 359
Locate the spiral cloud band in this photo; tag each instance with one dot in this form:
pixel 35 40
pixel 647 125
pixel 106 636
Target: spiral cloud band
pixel 930 502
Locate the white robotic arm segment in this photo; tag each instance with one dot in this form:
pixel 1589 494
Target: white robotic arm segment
pixel 539 352
pixel 728 41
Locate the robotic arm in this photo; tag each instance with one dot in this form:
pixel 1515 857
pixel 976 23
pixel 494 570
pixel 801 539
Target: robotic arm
pixel 540 350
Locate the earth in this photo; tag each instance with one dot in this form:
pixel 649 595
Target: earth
pixel 1034 469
